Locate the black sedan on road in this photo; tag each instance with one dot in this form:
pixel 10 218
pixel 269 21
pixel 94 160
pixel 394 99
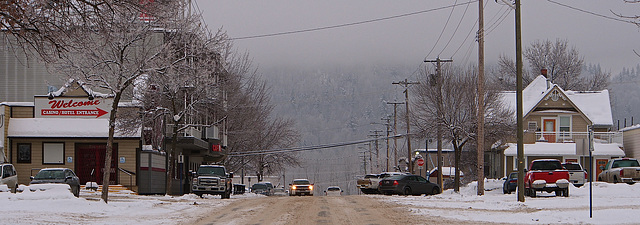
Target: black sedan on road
pixel 510 183
pixel 408 184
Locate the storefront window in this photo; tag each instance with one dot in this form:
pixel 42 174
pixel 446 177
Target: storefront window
pixel 53 153
pixel 24 153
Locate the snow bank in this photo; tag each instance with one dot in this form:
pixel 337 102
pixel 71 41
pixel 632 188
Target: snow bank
pixel 612 204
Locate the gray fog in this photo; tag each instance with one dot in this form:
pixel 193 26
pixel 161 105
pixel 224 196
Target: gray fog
pixel 410 39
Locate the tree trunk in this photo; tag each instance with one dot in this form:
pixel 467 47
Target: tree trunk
pixel 106 174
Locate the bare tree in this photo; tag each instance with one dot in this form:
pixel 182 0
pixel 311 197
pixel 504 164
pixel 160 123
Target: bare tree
pixel 457 106
pixel 563 63
pixel 252 126
pixel 117 45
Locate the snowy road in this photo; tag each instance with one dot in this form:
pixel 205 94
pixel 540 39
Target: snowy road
pixel 354 209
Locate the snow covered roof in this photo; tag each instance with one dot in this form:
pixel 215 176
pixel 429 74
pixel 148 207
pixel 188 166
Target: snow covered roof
pixel 563 149
pixel 447 171
pixel 61 127
pixel 632 127
pixel 595 105
pixel 17 103
pixel 84 86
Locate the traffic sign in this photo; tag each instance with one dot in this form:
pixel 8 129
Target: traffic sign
pixel 420 162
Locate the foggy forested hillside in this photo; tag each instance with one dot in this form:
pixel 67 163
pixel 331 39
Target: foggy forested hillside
pixel 339 103
pixel 336 104
pixel 625 97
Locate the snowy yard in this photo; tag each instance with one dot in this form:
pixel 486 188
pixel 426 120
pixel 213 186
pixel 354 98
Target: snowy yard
pixel 612 204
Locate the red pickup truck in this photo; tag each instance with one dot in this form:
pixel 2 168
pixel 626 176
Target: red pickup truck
pixel 546 175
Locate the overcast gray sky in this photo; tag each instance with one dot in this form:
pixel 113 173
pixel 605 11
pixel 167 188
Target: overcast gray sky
pixel 410 39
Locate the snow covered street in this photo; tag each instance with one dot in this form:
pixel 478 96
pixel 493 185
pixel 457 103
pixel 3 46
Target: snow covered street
pixel 612 204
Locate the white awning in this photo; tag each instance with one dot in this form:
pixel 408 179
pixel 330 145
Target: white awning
pixel 61 127
pixel 563 149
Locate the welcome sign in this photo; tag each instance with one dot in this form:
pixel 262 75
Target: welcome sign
pixel 72 107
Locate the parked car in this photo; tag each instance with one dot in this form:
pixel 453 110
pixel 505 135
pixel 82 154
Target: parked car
pixel 301 187
pixel 261 188
pixel 9 177
pixel 510 183
pixel 546 175
pixel 58 176
pixel 625 170
pixel 279 192
pixel 333 191
pixel 408 184
pixel 577 175
pixel 369 184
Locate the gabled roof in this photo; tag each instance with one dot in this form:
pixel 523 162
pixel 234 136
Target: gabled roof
pixel 72 85
pixel 595 105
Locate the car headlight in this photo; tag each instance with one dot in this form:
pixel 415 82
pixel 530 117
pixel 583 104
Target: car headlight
pixel 195 180
pixel 293 187
pixel 311 187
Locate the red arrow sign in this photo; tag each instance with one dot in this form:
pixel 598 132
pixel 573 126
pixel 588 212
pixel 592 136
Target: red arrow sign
pixel 73 112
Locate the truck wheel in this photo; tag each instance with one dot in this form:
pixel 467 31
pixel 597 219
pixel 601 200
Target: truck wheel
pixel 559 192
pixel 532 193
pixel 199 195
pixel 615 179
pixel 566 192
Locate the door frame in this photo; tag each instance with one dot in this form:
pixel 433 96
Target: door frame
pixel 553 136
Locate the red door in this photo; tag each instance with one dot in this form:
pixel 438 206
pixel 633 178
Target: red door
pixel 549 130
pixel 90 163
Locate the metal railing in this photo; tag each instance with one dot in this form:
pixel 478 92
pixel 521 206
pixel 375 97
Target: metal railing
pixel 130 174
pixel 564 137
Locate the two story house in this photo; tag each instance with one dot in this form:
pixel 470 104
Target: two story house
pixel 557 124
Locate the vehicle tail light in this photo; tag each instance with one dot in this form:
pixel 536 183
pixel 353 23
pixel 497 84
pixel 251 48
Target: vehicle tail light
pixel 395 182
pixel 380 183
pixel 622 173
pixel 586 175
pixel 513 181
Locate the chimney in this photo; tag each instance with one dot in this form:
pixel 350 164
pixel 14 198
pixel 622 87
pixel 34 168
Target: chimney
pixel 543 71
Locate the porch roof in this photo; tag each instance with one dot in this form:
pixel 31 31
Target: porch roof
pixel 62 127
pixel 563 149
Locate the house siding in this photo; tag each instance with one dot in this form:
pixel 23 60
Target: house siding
pixel 632 143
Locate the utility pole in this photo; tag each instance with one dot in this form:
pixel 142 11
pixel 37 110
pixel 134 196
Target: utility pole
pixel 387 139
pixel 480 120
pixel 395 132
pixel 406 84
pixel 438 83
pixel 519 104
pixel 376 136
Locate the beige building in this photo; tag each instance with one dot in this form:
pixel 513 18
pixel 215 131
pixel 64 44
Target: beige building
pixel 68 128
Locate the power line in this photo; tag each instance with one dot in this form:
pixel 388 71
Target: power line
pixel 309 148
pixel 441 32
pixel 350 24
pixel 592 13
pixel 456 30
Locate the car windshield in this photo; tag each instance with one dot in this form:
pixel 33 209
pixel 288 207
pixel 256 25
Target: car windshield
pixel 301 182
pixel 625 163
pixel 211 171
pixel 49 174
pixel 259 186
pixel 396 177
pixel 371 176
pixel 513 176
pixel 546 165
pixel 572 166
pixel 333 189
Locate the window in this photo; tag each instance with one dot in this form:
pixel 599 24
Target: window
pixel 24 153
pixel 565 126
pixel 53 153
pixel 533 126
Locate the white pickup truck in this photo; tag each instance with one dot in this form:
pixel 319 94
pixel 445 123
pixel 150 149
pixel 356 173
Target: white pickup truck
pixel 577 175
pixel 625 170
pixel 369 184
